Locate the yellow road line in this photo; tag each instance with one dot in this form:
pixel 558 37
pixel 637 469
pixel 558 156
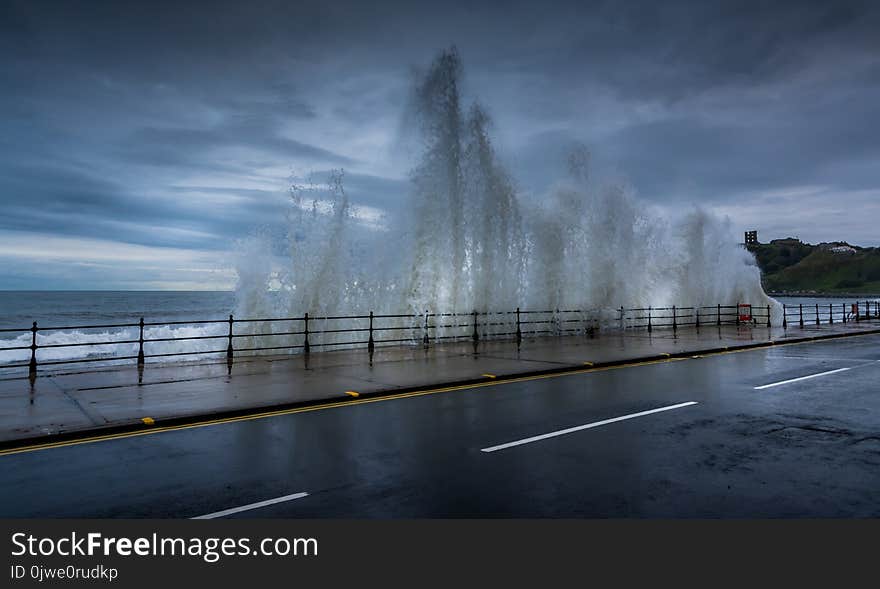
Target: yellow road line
pixel 488 375
pixel 390 397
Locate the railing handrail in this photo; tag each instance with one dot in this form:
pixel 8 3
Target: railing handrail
pixel 421 327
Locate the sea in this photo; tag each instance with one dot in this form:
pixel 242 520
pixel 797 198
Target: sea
pixel 74 310
pixel 20 308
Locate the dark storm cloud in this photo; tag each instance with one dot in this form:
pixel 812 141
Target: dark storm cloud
pixel 179 124
pixel 67 202
pixel 173 146
pixel 674 49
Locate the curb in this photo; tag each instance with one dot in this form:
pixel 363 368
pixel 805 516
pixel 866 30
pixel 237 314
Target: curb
pixel 196 419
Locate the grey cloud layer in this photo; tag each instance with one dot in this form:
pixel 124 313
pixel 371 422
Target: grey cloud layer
pixel 177 124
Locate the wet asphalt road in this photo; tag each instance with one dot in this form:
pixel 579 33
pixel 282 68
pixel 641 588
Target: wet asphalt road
pixel 808 448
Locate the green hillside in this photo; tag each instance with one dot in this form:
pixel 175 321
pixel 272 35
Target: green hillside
pixel 789 266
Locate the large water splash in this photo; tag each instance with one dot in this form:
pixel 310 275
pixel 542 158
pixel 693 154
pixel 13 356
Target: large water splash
pixel 467 242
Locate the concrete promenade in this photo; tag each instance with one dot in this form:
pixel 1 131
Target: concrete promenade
pixel 70 404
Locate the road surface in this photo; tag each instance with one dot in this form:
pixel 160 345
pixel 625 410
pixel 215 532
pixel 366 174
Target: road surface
pixel 788 431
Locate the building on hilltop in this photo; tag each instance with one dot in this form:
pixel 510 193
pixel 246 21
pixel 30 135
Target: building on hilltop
pixel 786 241
pixel 751 237
pixel 838 247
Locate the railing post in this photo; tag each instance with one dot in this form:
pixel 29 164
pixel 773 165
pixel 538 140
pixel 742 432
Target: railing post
pixel 843 311
pixel 425 339
pixel 371 345
pixel 476 335
pixel 306 346
pixel 784 316
pixel 649 320
pixel 830 313
pixel 621 318
pixel 229 353
pixel 697 317
pixel 718 315
pixel 737 313
pixel 518 330
pixel 141 343
pixel 817 313
pixel 801 312
pixel 32 367
pixel 768 315
pixel 674 320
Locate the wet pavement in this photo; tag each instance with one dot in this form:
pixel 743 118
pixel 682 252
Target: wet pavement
pixel 79 402
pixel 782 431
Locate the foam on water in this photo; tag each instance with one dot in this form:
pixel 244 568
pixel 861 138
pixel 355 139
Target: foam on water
pixel 78 308
pixel 49 354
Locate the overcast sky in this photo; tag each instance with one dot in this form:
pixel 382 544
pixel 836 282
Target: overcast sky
pixel 139 140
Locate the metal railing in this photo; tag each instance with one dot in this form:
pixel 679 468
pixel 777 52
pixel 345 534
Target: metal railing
pixel 675 317
pixel 303 334
pixel 828 313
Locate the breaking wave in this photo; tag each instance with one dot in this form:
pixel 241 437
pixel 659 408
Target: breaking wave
pixel 200 348
pixel 467 241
